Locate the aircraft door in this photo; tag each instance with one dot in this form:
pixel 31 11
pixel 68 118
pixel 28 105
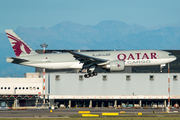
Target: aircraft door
pixel 158 55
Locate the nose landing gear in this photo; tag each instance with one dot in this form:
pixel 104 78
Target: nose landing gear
pixel 161 67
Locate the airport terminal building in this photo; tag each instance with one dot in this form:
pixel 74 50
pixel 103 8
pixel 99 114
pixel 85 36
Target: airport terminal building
pixel 135 87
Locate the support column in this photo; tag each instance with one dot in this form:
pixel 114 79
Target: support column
pixel 37 102
pixel 69 103
pixel 146 103
pixel 90 104
pixel 7 104
pixel 76 104
pixel 152 104
pixel 108 103
pixel 96 103
pixel 16 101
pixel 127 104
pixel 84 104
pixel 51 103
pixel 115 103
pixel 164 103
pixel 140 103
pixel 102 105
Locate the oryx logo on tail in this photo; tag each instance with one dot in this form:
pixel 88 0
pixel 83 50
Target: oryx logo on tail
pixel 19 47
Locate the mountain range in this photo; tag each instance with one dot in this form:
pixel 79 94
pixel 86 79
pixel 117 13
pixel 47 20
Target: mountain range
pixel 105 35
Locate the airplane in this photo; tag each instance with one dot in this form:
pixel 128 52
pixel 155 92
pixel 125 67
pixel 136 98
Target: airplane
pixel 109 60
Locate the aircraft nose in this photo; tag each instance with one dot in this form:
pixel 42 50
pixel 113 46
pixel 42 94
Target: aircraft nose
pixel 175 57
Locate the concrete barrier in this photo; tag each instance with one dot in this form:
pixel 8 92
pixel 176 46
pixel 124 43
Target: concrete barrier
pixel 90 115
pixel 139 113
pixel 122 112
pixel 110 113
pixel 84 112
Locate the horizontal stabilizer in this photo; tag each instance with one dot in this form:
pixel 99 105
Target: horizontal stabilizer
pixel 16 60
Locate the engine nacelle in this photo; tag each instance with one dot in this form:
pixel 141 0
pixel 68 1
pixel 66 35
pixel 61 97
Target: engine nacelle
pixel 115 65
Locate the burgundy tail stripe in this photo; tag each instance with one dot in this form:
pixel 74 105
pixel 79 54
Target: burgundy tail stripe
pixel 12 37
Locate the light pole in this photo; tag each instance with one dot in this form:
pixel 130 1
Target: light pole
pixel 44 45
pixel 168 88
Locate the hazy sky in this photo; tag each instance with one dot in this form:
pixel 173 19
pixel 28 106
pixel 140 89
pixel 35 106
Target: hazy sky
pixel 47 13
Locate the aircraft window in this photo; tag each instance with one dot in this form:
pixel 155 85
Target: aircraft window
pixel 1 87
pixel 19 87
pixel 23 88
pixel 4 87
pixel 34 88
pixel 26 87
pixel 8 87
pixel 30 88
pixel 38 88
pixel 15 88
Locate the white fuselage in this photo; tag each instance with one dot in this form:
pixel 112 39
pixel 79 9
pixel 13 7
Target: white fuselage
pixel 67 61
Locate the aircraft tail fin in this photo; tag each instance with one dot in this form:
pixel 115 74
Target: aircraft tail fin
pixel 19 46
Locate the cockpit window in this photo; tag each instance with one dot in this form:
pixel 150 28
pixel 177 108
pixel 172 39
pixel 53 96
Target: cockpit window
pixel 171 54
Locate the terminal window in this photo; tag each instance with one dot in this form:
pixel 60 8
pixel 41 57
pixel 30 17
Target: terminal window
pixel 57 77
pixel 81 77
pixel 104 77
pixel 128 77
pixel 175 77
pixel 151 77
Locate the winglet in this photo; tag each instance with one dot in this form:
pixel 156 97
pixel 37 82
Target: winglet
pixel 19 46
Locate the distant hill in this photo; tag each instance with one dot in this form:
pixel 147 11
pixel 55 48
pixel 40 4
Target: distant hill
pixel 105 35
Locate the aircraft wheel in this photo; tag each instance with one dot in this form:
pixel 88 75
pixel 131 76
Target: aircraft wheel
pixel 95 73
pixel 86 75
pixel 91 75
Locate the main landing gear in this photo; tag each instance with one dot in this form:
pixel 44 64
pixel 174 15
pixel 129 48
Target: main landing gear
pixel 90 74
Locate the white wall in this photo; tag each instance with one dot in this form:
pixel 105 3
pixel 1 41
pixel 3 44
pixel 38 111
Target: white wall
pixel 11 83
pixel 116 84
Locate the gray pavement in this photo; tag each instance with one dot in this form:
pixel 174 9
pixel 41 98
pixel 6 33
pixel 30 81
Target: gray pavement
pixel 70 111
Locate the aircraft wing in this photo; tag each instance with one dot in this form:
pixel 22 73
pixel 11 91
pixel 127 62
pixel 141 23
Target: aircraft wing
pixel 87 60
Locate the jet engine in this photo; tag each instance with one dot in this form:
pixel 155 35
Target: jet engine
pixel 115 66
